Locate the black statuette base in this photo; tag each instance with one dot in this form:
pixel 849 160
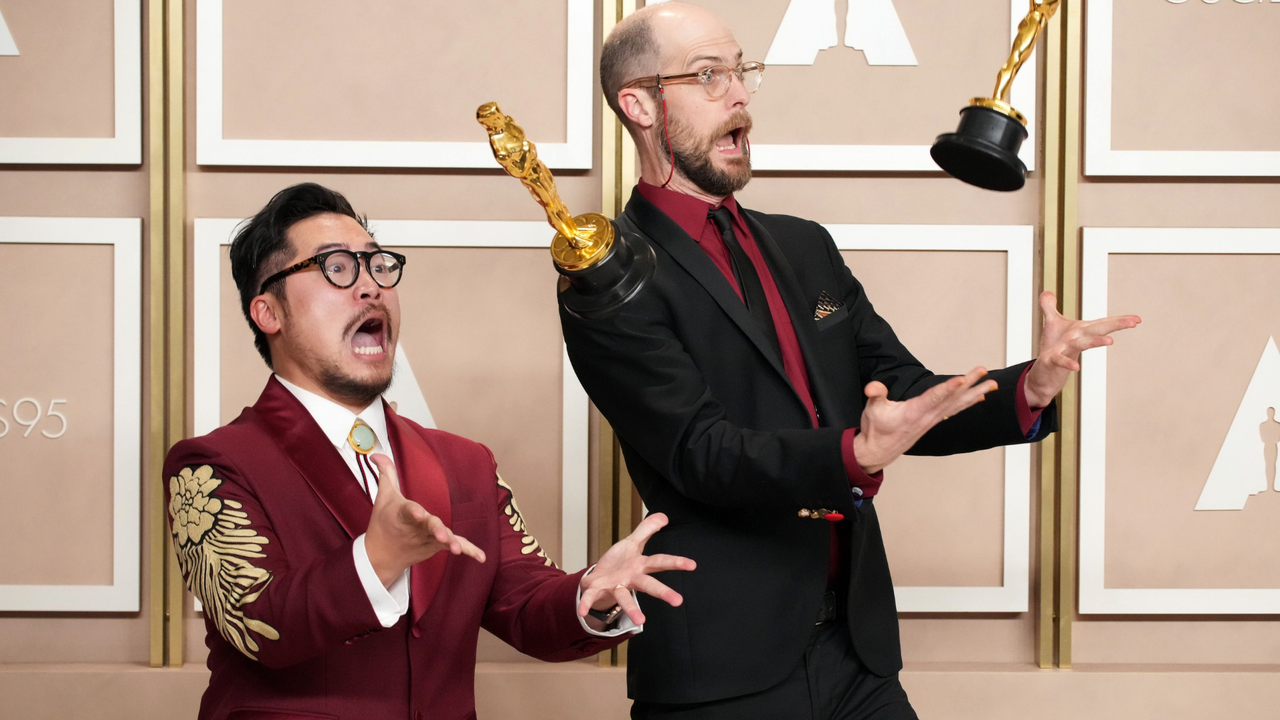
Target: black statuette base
pixel 983 151
pixel 606 286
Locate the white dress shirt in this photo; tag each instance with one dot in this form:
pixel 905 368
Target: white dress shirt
pixel 335 422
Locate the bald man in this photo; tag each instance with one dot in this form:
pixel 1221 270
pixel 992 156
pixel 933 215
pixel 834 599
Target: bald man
pixel 757 397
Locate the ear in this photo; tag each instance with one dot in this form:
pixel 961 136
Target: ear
pixel 266 313
pixel 639 107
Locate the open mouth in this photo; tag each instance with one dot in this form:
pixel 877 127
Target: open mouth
pixel 731 141
pixel 370 339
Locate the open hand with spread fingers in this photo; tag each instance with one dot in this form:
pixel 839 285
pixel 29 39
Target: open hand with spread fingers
pixel 890 428
pixel 625 567
pixel 402 533
pixel 1061 343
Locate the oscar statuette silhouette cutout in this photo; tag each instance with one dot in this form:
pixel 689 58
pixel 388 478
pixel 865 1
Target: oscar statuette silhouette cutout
pixel 600 268
pixel 983 151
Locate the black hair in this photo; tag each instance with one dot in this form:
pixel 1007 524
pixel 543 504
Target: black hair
pixel 261 245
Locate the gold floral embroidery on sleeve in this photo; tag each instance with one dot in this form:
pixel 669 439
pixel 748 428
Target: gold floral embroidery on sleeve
pixel 216 548
pixel 531 546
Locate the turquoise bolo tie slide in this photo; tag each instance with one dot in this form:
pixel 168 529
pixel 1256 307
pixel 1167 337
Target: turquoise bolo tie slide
pixel 362 438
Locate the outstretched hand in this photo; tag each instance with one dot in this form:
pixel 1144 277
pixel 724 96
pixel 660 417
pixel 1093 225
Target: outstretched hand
pixel 890 428
pixel 625 567
pixel 1061 343
pixel 402 533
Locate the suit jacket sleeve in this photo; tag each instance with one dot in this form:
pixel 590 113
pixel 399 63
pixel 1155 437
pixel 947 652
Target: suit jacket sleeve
pixel 532 604
pixel 881 356
pixel 640 376
pixel 272 610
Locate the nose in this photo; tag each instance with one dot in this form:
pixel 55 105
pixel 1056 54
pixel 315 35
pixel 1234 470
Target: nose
pixel 365 288
pixel 737 97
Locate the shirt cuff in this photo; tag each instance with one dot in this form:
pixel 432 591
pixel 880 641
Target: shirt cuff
pixel 1028 418
pixel 867 485
pixel 389 604
pixel 622 626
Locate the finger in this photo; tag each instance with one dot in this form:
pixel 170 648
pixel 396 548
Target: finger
pixel 1106 326
pixel 388 480
pixel 468 548
pixel 971 397
pixel 1080 344
pixel 876 390
pixel 663 563
pixel 650 586
pixel 647 527
pixel 413 514
pixel 629 605
pixel 1049 305
pixel 941 395
pixel 440 532
pixel 588 599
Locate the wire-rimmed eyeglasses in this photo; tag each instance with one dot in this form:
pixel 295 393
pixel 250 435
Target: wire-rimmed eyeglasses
pixel 715 80
pixel 342 268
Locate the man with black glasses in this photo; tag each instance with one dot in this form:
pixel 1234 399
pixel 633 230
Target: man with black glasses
pixel 757 396
pixel 347 557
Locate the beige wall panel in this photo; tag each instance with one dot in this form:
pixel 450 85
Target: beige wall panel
pixel 1173 390
pixel 1183 641
pixel 62 83
pixel 889 199
pixel 56 513
pixel 942 517
pixel 841 99
pixel 1248 203
pixel 393 70
pixel 1195 76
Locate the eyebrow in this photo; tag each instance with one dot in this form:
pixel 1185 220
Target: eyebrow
pixel 371 245
pixel 713 58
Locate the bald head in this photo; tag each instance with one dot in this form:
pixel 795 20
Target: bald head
pixel 654 40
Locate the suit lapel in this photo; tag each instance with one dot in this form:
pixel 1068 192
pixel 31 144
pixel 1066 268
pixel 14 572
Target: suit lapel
pixel 423 480
pixel 314 457
pixel 664 231
pixel 798 308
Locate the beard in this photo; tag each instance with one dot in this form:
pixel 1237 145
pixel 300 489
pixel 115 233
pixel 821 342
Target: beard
pixel 692 155
pixel 340 384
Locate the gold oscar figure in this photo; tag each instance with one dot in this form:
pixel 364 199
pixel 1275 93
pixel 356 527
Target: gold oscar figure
pixel 581 241
pixel 984 149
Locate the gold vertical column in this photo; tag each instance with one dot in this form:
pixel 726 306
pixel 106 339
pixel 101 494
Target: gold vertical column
pixel 1069 443
pixel 175 274
pixel 617 170
pixel 157 537
pixel 1046 615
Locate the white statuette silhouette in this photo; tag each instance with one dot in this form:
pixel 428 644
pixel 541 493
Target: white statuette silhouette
pixel 872 26
pixel 1241 469
pixel 7 45
pixel 406 393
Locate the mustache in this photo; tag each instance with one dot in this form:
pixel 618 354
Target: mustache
pixel 378 310
pixel 740 119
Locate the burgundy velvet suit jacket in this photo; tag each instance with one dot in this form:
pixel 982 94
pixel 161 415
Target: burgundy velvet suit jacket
pixel 264 512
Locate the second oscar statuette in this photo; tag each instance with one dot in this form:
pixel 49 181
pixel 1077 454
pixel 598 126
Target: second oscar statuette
pixel 983 151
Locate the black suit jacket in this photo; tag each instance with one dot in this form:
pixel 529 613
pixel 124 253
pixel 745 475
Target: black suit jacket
pixel 715 436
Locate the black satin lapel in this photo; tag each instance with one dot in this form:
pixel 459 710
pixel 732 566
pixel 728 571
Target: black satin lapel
pixel 664 232
pixel 798 307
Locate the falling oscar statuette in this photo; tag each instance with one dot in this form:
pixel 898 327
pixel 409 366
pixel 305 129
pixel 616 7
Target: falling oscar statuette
pixel 983 151
pixel 600 267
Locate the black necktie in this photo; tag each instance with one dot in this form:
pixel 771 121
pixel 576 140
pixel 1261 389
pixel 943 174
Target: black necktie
pixel 745 272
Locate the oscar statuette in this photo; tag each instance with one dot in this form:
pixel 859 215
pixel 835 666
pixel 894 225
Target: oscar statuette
pixel 599 266
pixel 983 151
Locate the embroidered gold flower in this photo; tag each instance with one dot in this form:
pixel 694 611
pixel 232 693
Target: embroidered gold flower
pixel 215 546
pixel 514 517
pixel 190 504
